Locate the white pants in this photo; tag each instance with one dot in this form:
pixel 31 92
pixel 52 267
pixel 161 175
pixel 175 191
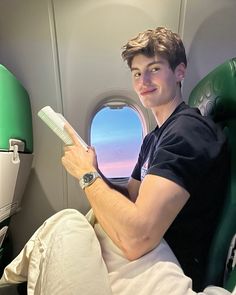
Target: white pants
pixel 67 255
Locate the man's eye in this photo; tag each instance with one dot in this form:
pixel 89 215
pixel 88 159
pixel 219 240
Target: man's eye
pixel 153 70
pixel 137 75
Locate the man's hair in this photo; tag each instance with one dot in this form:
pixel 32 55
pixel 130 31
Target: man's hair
pixel 160 41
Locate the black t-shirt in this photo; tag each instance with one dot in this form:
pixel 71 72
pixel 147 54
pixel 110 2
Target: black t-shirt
pixel 190 150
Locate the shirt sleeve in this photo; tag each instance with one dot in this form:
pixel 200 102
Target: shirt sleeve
pixel 186 153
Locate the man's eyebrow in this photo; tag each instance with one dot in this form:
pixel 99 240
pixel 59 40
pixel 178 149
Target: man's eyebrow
pixel 156 62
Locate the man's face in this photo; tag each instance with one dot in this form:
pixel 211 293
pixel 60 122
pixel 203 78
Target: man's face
pixel 154 81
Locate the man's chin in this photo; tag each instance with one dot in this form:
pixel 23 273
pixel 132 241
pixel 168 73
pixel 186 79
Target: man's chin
pixel 148 103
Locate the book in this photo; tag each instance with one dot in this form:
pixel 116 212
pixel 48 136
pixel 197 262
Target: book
pixel 56 122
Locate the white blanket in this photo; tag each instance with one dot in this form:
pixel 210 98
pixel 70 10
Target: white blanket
pixel 64 257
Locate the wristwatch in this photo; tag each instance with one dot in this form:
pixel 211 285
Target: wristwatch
pixel 88 178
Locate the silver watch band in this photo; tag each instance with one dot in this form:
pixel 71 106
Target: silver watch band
pixel 88 178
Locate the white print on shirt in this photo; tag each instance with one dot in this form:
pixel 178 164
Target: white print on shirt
pixel 144 170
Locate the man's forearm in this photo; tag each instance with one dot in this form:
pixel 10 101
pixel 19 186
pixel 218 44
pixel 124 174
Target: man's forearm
pixel 118 216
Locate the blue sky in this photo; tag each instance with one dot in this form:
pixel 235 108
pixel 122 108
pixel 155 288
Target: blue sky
pixel 117 135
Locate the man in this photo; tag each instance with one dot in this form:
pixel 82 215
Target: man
pixel 166 196
pixel 174 185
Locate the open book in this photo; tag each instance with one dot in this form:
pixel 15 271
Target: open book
pixel 56 122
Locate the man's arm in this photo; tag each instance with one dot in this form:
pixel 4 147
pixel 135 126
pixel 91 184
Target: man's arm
pixel 120 188
pixel 133 188
pixel 135 227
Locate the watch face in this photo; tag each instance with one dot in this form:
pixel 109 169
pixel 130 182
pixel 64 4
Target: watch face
pixel 88 177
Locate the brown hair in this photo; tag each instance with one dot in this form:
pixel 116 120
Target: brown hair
pixel 159 41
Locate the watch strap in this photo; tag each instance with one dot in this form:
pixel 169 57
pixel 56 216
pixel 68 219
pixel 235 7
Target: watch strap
pixel 88 178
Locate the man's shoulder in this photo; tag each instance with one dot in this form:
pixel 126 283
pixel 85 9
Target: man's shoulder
pixel 189 120
pixel 188 126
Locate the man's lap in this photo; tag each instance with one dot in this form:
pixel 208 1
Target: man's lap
pixel 66 256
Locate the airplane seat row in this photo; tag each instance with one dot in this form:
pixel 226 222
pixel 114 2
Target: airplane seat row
pixel 215 96
pixel 16 153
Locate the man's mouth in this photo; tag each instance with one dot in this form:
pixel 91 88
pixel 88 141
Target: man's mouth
pixel 147 91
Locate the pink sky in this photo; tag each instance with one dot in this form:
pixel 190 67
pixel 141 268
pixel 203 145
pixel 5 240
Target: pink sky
pixel 114 169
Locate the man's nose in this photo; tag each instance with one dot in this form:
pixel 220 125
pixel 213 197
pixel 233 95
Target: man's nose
pixel 146 79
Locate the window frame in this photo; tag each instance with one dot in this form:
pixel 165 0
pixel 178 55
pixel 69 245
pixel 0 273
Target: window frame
pixel 116 102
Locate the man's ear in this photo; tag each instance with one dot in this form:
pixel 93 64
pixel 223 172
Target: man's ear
pixel 180 72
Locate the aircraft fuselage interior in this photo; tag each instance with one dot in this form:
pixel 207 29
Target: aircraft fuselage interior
pixel 66 55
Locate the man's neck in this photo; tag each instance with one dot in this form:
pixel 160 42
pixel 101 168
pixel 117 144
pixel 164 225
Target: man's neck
pixel 163 112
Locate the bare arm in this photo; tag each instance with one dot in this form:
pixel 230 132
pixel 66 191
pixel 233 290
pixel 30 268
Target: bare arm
pixel 135 227
pixel 133 188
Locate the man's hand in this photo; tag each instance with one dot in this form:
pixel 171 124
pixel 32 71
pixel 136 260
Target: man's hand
pixel 76 160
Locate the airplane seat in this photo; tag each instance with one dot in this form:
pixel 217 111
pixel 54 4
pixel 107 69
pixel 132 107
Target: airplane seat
pixel 215 96
pixel 16 152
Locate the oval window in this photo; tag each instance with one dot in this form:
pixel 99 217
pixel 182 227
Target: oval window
pixel 116 134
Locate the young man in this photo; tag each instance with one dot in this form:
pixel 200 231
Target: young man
pixel 168 195
pixel 174 190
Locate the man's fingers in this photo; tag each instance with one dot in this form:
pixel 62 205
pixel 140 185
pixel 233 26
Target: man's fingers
pixel 68 128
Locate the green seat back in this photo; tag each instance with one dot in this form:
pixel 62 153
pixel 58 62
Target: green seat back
pixel 15 112
pixel 231 282
pixel 215 96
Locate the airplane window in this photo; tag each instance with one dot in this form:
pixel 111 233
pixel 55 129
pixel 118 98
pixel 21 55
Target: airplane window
pixel 116 133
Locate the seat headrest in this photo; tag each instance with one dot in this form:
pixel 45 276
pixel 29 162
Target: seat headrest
pixel 215 94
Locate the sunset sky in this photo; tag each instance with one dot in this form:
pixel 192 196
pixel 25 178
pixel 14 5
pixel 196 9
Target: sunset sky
pixel 117 135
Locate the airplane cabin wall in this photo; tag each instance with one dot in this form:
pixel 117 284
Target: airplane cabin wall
pixel 209 37
pixel 90 35
pixel 27 49
pixel 67 55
